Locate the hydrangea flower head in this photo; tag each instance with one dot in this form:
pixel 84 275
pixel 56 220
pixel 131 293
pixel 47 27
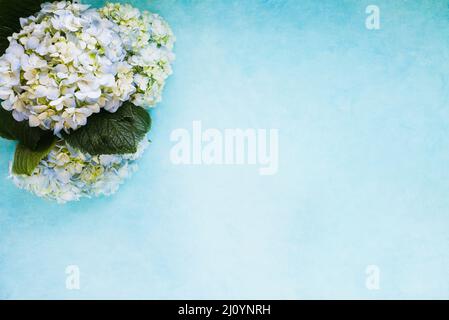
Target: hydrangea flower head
pixel 149 42
pixel 65 64
pixel 68 175
pixel 68 62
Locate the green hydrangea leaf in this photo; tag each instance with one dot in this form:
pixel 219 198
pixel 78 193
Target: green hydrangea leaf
pixel 26 159
pixel 5 132
pixel 112 133
pixel 10 14
pixel 14 130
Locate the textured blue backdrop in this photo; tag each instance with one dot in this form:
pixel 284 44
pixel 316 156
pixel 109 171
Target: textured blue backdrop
pixel 363 178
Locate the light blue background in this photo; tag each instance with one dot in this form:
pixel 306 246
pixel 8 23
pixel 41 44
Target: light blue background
pixel 363 118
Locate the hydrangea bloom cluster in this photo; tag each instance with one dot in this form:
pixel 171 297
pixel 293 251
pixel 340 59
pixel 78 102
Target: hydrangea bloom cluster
pixel 69 62
pixel 68 174
pixel 65 64
pixel 149 42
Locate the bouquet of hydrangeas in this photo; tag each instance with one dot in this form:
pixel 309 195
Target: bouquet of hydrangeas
pixel 75 83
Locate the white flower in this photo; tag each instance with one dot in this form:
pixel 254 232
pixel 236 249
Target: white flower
pixel 68 62
pixel 65 57
pixel 64 20
pixel 6 94
pixel 141 81
pixel 149 41
pixel 32 43
pixel 68 175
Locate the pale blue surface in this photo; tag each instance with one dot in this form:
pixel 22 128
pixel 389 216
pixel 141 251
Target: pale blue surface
pixel 363 178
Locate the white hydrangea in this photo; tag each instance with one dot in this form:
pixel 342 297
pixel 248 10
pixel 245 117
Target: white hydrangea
pixel 149 42
pixel 68 175
pixel 69 62
pixel 65 64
